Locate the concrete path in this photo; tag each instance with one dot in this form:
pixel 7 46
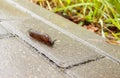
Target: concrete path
pixel 77 53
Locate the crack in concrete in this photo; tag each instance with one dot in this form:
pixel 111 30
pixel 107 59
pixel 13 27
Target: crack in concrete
pixel 62 68
pixel 66 33
pixel 7 36
pixel 71 66
pixel 73 36
pixel 68 67
pixel 85 62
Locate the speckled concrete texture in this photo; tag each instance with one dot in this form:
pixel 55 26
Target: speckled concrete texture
pixel 4 33
pixel 103 68
pixel 80 34
pixel 66 51
pixel 77 53
pixel 18 60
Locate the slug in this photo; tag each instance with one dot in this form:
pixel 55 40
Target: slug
pixel 41 37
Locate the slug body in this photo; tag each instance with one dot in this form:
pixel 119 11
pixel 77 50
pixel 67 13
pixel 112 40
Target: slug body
pixel 44 38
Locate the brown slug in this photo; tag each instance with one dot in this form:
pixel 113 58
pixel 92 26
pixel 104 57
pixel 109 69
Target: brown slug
pixel 44 38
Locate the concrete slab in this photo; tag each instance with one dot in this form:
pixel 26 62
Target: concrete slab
pixel 5 12
pixel 66 51
pixel 19 60
pixel 80 34
pixel 4 33
pixel 103 68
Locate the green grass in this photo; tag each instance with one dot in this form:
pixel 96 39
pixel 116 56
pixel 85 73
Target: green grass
pixel 106 13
